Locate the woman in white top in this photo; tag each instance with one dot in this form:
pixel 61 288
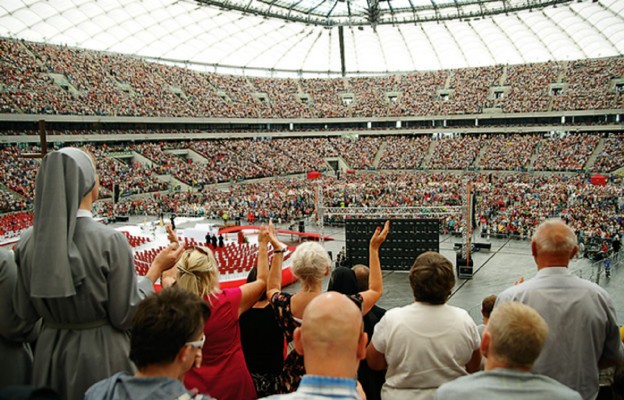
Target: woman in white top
pixel 426 343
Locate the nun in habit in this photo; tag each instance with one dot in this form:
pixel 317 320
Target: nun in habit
pixel 77 276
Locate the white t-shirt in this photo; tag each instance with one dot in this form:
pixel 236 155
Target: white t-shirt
pixel 425 346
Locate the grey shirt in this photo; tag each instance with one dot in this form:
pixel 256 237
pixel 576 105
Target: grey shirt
pixel 508 384
pixel 582 326
pixel 123 386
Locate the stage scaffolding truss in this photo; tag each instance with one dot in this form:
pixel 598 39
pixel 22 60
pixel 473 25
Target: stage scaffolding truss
pixel 465 212
pixel 398 211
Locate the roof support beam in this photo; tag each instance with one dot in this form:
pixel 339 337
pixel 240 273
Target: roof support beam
pixel 343 66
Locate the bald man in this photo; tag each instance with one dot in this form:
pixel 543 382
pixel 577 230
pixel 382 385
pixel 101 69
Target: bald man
pixel 332 341
pixel 584 335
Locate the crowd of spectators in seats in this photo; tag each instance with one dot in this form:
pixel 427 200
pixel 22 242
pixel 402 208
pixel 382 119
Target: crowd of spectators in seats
pixel 18 173
pixel 185 170
pixel 611 154
pixel 133 178
pixel 508 152
pixel 419 93
pixel 358 154
pixel 455 153
pixel 325 97
pixel 470 89
pixel 404 152
pixel 13 224
pixel 509 203
pixel 568 153
pixel 590 86
pixel 529 87
pixel 49 79
pixel 11 202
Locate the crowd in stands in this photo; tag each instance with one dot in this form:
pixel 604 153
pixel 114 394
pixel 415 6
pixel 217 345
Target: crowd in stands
pixel 372 95
pixel 359 154
pixel 415 98
pixel 134 178
pixel 612 153
pixel 508 152
pixel 529 87
pixel 47 79
pixel 404 152
pixel 282 98
pixel 325 100
pixel 11 225
pixel 455 153
pixel 568 153
pixel 587 79
pixel 509 203
pixel 17 174
pixel 471 88
pixel 11 202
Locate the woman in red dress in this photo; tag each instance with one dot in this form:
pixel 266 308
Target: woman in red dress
pixel 223 372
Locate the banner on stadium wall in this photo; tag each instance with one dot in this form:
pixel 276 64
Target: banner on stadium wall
pixel 598 180
pixel 314 175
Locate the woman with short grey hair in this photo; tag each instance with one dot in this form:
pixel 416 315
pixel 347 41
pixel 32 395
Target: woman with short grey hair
pixel 310 265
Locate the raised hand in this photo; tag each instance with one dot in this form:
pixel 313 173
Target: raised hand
pixel 168 257
pixel 273 236
pixel 379 236
pixel 171 235
pixel 263 236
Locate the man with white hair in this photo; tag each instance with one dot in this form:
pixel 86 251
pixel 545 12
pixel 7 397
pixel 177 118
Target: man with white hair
pixel 584 335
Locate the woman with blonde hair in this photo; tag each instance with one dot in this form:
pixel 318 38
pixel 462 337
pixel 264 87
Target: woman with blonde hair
pixel 310 264
pixel 223 372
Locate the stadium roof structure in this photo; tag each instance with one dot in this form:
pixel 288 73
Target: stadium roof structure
pixel 326 37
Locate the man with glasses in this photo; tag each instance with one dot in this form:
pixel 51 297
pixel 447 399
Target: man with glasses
pixel 166 341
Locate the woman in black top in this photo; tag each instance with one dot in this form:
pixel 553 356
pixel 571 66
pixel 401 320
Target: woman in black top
pixel 263 339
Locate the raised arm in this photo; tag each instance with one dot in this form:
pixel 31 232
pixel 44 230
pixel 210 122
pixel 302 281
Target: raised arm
pixel 251 292
pixel 169 277
pixel 164 261
pixel 274 284
pixel 375 281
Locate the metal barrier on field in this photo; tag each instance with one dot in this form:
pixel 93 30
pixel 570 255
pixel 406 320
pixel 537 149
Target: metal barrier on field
pixel 594 271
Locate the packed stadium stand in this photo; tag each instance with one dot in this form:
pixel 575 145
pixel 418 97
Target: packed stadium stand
pixel 46 79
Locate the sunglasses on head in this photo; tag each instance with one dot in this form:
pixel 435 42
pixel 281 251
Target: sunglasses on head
pixel 197 344
pixel 201 249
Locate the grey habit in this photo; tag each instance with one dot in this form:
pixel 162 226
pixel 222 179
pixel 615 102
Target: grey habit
pixel 15 334
pixel 78 276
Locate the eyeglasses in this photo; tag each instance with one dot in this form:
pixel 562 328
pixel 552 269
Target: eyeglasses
pixel 197 344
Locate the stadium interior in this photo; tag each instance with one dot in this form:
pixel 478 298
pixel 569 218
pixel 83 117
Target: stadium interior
pixel 211 108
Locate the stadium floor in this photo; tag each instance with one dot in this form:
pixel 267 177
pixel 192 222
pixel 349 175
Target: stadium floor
pixel 494 271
